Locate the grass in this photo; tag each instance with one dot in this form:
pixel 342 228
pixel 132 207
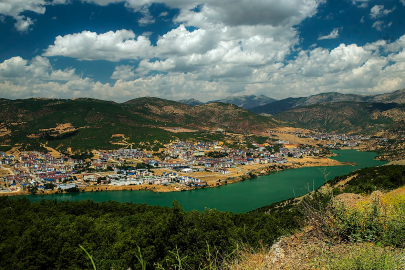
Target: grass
pixel 90 257
pixel 371 221
pixel 361 256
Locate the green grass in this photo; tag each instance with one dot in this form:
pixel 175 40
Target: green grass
pixel 362 257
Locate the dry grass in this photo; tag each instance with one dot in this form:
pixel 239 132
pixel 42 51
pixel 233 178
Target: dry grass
pixel 305 250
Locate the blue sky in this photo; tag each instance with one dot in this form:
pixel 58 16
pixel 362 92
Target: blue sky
pixel 177 49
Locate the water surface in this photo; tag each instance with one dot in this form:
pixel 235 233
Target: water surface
pixel 239 197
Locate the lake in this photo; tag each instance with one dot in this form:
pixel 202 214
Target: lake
pixel 239 197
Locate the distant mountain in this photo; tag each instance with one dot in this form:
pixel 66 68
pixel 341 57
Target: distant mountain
pixel 290 103
pixel 345 117
pixel 84 124
pixel 247 101
pixel 191 102
pixel 396 97
pixel 277 106
pixel 228 116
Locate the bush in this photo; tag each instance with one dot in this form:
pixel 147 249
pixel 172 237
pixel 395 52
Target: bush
pixel 47 235
pixel 375 221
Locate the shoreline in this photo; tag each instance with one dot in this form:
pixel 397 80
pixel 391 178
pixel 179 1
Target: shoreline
pixel 213 180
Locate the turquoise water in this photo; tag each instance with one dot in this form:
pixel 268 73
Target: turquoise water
pixel 238 197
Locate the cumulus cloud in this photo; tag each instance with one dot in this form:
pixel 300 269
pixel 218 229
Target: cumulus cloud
pixel 216 50
pixel 23 23
pixel 226 34
pixel 14 8
pixel 19 69
pixel 378 11
pixel 373 68
pixel 260 12
pixel 112 46
pixel 334 34
pixel 124 72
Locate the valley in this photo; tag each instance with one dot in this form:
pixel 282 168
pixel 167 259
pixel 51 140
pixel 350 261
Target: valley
pixel 55 146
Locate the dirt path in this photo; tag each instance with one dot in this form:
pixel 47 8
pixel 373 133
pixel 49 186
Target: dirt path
pixel 52 151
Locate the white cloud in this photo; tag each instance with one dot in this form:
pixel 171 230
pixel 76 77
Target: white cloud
pixel 229 52
pixel 124 72
pixel 227 35
pixel 379 25
pixel 39 68
pixel 362 19
pixel 378 11
pixel 63 75
pixel 23 23
pixel 360 3
pixel 112 46
pixel 332 35
pixel 374 68
pixel 61 2
pixel 165 13
pixel 146 16
pixel 14 8
pixel 260 12
pixel 145 66
pixel 403 2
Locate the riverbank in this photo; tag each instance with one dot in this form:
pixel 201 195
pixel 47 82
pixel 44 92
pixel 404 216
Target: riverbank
pixel 213 179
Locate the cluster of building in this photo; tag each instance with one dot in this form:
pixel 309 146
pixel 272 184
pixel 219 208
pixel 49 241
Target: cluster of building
pixel 187 155
pixel 42 169
pixel 142 177
pixel 37 169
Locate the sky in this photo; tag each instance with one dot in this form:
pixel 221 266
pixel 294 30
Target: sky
pixel 204 49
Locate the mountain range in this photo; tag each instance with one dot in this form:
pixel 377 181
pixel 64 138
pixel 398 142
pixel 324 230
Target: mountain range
pixel 246 101
pixel 84 123
pixel 291 103
pixel 344 117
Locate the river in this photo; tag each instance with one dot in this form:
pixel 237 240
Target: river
pixel 239 197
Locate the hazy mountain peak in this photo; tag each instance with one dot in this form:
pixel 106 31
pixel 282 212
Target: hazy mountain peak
pixel 246 101
pixel 191 102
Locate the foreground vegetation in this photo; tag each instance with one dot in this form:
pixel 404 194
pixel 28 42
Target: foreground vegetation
pixel 47 235
pixel 367 234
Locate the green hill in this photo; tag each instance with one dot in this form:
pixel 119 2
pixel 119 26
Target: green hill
pixel 332 97
pixel 344 117
pixel 91 124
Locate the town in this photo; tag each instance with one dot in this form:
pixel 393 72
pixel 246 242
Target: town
pixel 180 164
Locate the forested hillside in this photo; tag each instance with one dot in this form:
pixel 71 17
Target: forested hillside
pixel 86 124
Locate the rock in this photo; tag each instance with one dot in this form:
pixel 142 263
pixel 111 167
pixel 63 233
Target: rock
pixel 349 199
